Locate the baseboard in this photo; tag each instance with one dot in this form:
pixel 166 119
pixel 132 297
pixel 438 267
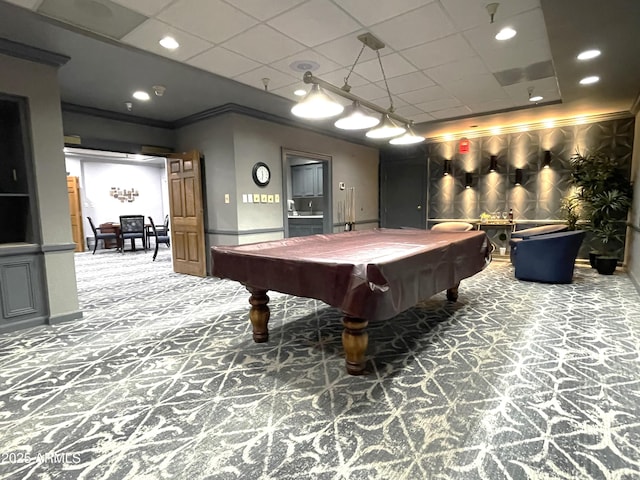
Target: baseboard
pixel 55 319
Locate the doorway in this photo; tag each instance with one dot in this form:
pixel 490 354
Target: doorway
pixel 307 209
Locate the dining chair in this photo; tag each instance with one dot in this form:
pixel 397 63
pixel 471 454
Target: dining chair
pixel 161 236
pixel 131 228
pixel 98 235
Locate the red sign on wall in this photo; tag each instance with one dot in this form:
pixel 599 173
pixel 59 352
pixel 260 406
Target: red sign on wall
pixel 463 146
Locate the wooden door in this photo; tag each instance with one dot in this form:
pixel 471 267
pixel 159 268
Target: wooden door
pixel 75 209
pixel 402 192
pixel 187 213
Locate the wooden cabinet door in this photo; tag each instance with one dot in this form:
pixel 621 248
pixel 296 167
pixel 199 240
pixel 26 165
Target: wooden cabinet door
pixel 75 210
pixel 187 213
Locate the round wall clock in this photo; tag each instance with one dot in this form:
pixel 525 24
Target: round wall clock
pixel 261 174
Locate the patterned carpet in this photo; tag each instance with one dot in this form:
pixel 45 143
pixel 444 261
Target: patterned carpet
pixel 161 380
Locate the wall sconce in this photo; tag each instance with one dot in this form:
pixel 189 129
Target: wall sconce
pixel 518 176
pixel 547 159
pixel 447 168
pixel 493 166
pixel 468 180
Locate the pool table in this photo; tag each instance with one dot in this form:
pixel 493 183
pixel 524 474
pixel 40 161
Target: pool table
pixel 369 275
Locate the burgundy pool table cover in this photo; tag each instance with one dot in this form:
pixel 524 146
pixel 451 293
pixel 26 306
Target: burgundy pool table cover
pixel 369 274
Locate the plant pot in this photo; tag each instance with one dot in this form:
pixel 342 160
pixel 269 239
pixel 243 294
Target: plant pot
pixel 606 265
pixel 593 256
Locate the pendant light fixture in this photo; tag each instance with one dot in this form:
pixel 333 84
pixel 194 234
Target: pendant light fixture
pixel 318 105
pixel 409 138
pixel 355 118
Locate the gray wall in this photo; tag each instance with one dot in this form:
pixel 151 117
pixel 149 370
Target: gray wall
pixel 39 84
pixel 114 135
pixel 233 143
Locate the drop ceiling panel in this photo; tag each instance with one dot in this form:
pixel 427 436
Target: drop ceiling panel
pixel 452 112
pixel 315 22
pixel 366 14
pixel 453 71
pixel 423 117
pixel 223 62
pixel 370 92
pixel 415 28
pixel 492 105
pixel 263 9
pixel 212 20
pixel 439 52
pixel 325 65
pixel 101 16
pixel 147 36
pixel 440 104
pixel 471 89
pixel 276 79
pixel 424 95
pixel 394 65
pixel 407 83
pixel 345 50
pixel 467 14
pixel 145 7
pixel 409 111
pixel 337 78
pixel 263 44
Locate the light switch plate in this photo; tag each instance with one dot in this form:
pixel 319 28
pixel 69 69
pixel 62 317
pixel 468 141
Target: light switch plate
pixel 341 185
pixel 226 198
pixel 256 198
pixel 276 198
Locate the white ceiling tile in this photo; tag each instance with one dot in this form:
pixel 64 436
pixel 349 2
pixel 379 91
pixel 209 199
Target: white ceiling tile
pixel 264 9
pixel 547 87
pixel 365 13
pixel 472 89
pixel 210 19
pixel 30 4
pixel 314 22
pixel 263 44
pixel 223 62
pixel 287 91
pixel 370 92
pixel 467 14
pixel 337 78
pixel 326 65
pixel 491 105
pixel 423 117
pixel 440 104
pixel 148 34
pixel 414 28
pixel 394 65
pixel 407 83
pixel 345 50
pixel 456 70
pixel 145 7
pixel 424 95
pixel 452 112
pixel 276 79
pixel 438 52
pixel 408 111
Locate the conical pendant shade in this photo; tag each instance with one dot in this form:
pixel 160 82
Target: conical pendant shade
pixel 356 118
pixel 387 129
pixel 409 138
pixel 316 105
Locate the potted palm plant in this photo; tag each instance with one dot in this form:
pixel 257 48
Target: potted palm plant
pixel 604 192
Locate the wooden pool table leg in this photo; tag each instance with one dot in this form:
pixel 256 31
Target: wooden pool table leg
pixel 452 293
pixel 354 342
pixel 259 314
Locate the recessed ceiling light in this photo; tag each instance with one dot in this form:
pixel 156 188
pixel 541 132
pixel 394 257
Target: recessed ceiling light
pixel 169 43
pixel 536 98
pixel 506 33
pixel 140 95
pixel 300 92
pixel 589 80
pixel 589 54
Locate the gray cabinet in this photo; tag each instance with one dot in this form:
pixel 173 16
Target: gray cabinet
pixel 22 302
pixel 301 226
pixel 306 180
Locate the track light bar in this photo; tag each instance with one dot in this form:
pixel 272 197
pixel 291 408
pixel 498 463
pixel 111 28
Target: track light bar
pixel 310 78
